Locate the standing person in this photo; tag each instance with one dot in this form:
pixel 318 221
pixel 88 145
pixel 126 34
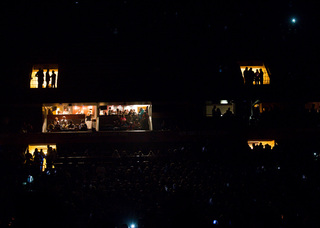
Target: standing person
pixel 141 113
pixel 218 112
pixel 49 157
pixel 29 158
pixel 214 111
pixel 88 120
pixel 53 80
pixel 40 76
pixel 256 77
pixel 261 77
pixel 246 76
pixel 42 156
pixel 250 77
pixel 37 161
pixel 47 78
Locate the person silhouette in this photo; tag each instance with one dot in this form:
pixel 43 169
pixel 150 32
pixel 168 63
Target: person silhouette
pixel 53 80
pixel 250 77
pixel 246 76
pixel 40 76
pixel 37 161
pixel 47 78
pixel 261 76
pixel 29 158
pixel 256 77
pixel 49 156
pixel 214 111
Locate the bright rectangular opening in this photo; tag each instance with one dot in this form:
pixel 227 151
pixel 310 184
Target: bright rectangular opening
pixel 222 106
pixel 256 65
pixel 65 117
pixel 271 143
pixel 44 148
pixel 125 116
pixel 49 76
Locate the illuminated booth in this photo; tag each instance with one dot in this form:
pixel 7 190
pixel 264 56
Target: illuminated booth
pixel 103 116
pixel 125 116
pixel 265 142
pixel 69 117
pixel 44 76
pixel 222 107
pixel 42 148
pixel 256 66
pixel 312 106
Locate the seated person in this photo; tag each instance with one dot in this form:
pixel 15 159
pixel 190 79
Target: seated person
pixel 63 123
pixel 77 127
pixel 71 125
pixel 51 126
pixel 123 119
pixel 56 121
pixel 83 126
pixel 56 124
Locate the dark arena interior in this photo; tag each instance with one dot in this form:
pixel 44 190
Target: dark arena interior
pixel 127 114
pixel 162 184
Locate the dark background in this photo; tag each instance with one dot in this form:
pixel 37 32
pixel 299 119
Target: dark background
pixel 159 47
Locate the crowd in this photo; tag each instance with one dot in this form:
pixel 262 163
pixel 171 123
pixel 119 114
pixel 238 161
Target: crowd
pixel 66 125
pixel 50 80
pixel 276 116
pixel 251 77
pixel 176 185
pixel 125 120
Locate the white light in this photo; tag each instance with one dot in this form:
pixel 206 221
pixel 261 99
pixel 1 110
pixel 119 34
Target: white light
pixel 293 20
pixel 224 102
pixel 132 226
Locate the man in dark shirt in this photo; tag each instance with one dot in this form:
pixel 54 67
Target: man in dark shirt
pixel 40 77
pixel 53 80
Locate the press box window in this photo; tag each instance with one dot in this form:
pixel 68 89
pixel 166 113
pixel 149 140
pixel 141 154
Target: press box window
pixel 221 106
pixel 256 66
pixel 44 76
pixel 252 143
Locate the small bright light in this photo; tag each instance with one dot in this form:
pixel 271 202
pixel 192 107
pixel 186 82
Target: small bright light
pixel 215 222
pixel 224 102
pixel 293 20
pixel 132 226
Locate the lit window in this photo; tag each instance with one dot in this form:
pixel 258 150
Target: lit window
pixel 44 148
pixel 125 116
pixel 44 76
pixel 271 143
pixel 212 109
pixel 256 67
pixel 69 117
